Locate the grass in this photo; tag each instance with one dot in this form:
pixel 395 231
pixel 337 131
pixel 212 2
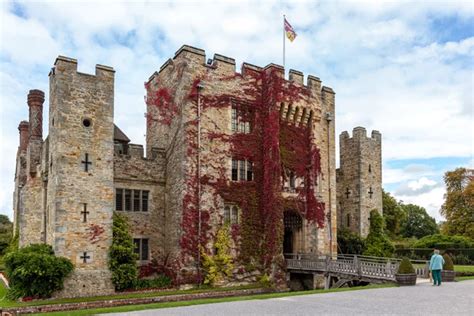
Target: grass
pixel 4 302
pixel 467 269
pixel 129 308
pixel 464 278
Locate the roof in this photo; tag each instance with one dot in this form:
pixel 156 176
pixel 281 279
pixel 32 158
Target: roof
pixel 119 135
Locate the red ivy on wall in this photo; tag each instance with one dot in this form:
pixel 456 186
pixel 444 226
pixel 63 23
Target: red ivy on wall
pixel 272 145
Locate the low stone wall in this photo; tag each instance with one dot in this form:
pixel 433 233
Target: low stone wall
pixel 130 301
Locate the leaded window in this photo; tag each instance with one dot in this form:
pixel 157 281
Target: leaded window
pixel 131 200
pixel 140 247
pixel 242 170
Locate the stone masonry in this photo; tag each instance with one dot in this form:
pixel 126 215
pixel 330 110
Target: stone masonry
pixel 359 179
pixel 68 185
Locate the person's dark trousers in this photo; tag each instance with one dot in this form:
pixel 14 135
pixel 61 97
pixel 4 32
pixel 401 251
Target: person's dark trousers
pixel 436 277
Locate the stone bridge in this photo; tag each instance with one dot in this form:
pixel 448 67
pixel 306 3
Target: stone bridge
pixel 308 271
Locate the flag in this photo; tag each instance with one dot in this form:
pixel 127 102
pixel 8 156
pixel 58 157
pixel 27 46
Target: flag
pixel 290 32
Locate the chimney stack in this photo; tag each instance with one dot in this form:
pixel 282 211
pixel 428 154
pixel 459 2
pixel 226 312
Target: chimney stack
pixel 24 129
pixel 35 103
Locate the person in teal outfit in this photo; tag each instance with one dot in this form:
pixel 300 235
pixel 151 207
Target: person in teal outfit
pixel 436 265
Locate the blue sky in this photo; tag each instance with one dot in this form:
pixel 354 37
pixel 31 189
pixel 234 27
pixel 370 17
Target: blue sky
pixel 403 68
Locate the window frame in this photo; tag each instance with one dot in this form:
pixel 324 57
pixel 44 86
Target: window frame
pixel 139 241
pixel 231 214
pixel 131 200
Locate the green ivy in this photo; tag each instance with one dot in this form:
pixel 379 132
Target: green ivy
pixel 377 243
pixel 122 262
pixel 34 271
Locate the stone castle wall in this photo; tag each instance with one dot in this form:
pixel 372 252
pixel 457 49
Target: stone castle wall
pixel 359 179
pixel 179 77
pixel 135 172
pixel 81 134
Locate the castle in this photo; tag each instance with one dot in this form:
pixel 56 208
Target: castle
pixel 246 149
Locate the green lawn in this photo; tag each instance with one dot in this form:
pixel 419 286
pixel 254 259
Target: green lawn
pixel 130 308
pixel 463 269
pixel 8 303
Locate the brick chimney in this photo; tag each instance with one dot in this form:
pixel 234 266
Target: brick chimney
pixel 35 103
pixel 35 138
pixel 24 129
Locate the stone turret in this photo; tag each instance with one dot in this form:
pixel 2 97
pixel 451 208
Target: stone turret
pixel 359 179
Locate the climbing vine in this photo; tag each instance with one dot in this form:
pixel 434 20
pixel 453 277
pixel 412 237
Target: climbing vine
pixel 272 145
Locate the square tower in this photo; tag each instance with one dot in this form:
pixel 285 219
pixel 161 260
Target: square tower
pixel 359 179
pixel 80 175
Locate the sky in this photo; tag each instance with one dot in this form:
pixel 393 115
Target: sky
pixel 402 68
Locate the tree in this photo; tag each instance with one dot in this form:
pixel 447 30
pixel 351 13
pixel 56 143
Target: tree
pixel 417 222
pixel 34 271
pixel 377 243
pixel 349 242
pixel 393 214
pixel 458 207
pixel 6 233
pixel 122 257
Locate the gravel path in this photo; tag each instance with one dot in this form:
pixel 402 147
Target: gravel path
pixel 450 299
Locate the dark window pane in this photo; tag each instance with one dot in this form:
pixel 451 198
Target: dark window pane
pixel 292 180
pixel 144 249
pixel 235 215
pixel 136 246
pixel 128 200
pixel 234 119
pixel 242 170
pixel 227 215
pixel 145 201
pixel 249 171
pixel 118 199
pixel 234 170
pixel 136 200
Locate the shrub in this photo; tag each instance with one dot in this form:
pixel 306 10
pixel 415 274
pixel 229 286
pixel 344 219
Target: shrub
pixel 377 243
pixel 219 265
pixel 159 282
pixel 405 267
pixel 34 271
pixel 461 259
pixel 440 241
pixel 122 262
pixel 349 242
pixel 448 262
pixel 265 281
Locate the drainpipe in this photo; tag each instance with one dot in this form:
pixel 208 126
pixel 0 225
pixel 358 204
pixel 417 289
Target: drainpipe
pixel 329 118
pixel 198 171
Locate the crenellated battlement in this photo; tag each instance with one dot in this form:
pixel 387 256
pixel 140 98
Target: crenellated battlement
pixel 226 65
pixel 136 151
pixel 66 65
pixel 359 133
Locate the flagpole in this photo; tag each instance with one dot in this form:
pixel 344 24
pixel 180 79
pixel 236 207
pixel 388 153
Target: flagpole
pixel 283 42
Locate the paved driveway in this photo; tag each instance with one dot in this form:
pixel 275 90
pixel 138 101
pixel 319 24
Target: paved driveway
pixel 423 299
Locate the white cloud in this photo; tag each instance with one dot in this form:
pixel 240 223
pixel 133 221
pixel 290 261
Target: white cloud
pixel 389 70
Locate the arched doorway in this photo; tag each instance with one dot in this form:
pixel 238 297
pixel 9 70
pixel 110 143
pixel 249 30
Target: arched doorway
pixel 293 225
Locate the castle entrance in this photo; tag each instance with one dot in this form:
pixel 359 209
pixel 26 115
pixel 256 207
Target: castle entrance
pixel 292 238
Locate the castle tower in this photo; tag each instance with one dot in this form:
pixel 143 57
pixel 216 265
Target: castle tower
pixel 359 179
pixel 80 175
